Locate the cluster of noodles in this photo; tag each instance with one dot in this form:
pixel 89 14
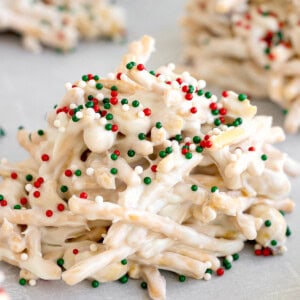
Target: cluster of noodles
pixel 140 171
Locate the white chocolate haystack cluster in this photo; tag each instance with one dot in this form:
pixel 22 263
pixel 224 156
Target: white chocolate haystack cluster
pixel 248 45
pixel 60 24
pixel 140 171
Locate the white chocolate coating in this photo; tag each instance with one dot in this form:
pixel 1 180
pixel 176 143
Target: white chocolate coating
pixel 250 46
pixel 176 181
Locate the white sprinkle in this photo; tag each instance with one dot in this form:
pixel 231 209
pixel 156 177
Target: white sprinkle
pixel 124 77
pixel 103 121
pixel 61 129
pixel 201 84
pixel 257 247
pixel 171 66
pixel 92 83
pixel 216 131
pixel 97 116
pixel 229 258
pixel 79 115
pixel 32 282
pixel 141 114
pixel 68 85
pixel 24 256
pixel 192 147
pixel 125 107
pixel 28 187
pixel 82 84
pixel 111 76
pixel 207 276
pixel 186 76
pixel 57 123
pixel 90 112
pixel 187 140
pixel 99 199
pixel 238 152
pixel 100 96
pixel 138 169
pixel 90 171
pixel 72 105
pixel 93 247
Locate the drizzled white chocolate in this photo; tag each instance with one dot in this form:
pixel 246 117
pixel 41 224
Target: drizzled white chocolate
pixel 60 24
pixel 142 171
pixel 251 46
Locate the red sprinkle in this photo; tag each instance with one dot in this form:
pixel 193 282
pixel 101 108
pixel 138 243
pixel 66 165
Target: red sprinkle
pixel 49 213
pixel 36 184
pixel 114 100
pixel 225 94
pixel 179 80
pixel 185 88
pixel 154 168
pixel 40 180
pixel 14 175
pixel 119 76
pixel 266 251
pixel 184 151
pixel 140 67
pixel 223 111
pixel 117 152
pixel 147 112
pixel 60 207
pixel 222 119
pixel 257 252
pixel 251 148
pixel 83 195
pixel 23 200
pixel 114 93
pixel 45 157
pixel 68 173
pixel 36 194
pixel 114 128
pixel 213 106
pixel 207 137
pixel 220 272
pixel 103 113
pixel 75 251
pixel 193 110
pixel 188 96
pixel 3 203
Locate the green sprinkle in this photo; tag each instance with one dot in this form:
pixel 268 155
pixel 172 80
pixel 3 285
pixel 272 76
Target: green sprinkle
pixel 75 119
pixel 196 139
pixel 130 65
pixel 242 97
pixel 99 86
pixel 217 122
pixel 144 285
pixel 85 78
pixel 215 112
pixel 108 126
pixel 285 111
pixel 169 150
pixel 114 156
pixel 114 88
pixel 89 104
pixel 17 206
pixel 178 137
pixel 124 279
pixel 135 103
pixel 199 149
pixel 95 283
pixel 267 67
pixel 273 242
pixel 158 125
pixel 209 271
pixel 60 262
pixel 267 51
pixel 227 264
pixel 264 157
pixel 214 189
pixel 191 89
pixel 237 122
pixel 147 180
pixel 106 106
pixel 131 153
pixel 105 100
pixel 1 197
pixel 124 262
pixel 194 188
pixel 40 132
pixel 78 173
pixel 235 256
pixel 114 171
pixel 152 73
pixel 288 231
pixel 268 223
pixel 63 188
pixel 200 93
pixel 282 212
pixel 2 132
pixel 181 278
pixel 188 155
pixel 28 177
pixel 90 97
pixel 22 281
pixel 21 127
pixel 141 136
pixel 124 101
pixel 208 95
pixel 96 77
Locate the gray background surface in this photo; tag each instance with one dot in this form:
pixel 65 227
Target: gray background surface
pixel 31 84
